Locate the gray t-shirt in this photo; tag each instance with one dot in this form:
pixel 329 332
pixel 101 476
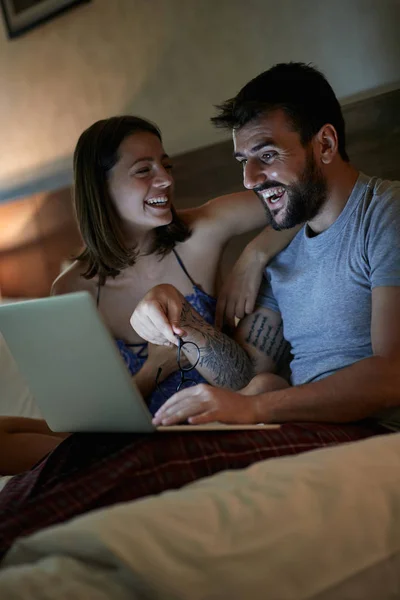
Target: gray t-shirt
pixel 322 285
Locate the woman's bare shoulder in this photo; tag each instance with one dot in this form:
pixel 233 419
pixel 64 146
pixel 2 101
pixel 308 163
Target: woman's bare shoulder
pixel 226 216
pixel 72 280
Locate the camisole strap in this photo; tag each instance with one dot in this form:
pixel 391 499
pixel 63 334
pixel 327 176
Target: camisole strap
pixel 178 258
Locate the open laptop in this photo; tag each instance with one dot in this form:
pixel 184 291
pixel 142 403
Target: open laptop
pixel 74 370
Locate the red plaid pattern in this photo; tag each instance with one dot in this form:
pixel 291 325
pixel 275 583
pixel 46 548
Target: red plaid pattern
pixel 89 471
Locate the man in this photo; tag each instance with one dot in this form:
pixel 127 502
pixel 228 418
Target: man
pixel 335 290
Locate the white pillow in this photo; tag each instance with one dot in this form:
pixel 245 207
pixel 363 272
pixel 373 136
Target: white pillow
pixel 324 525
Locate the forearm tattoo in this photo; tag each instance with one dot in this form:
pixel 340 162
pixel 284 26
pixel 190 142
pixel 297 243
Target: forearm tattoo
pixel 227 364
pixel 266 338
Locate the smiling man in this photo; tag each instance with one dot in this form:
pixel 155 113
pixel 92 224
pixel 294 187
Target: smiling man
pixel 334 291
pixel 294 190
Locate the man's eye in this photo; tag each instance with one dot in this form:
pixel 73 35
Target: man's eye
pixel 142 171
pixel 268 156
pixel 168 167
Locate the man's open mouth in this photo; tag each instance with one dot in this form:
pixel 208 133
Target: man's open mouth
pixel 273 195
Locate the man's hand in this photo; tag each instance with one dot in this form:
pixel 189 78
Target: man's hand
pixel 157 316
pixel 204 404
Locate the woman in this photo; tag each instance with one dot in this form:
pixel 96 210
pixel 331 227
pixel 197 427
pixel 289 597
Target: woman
pixel 134 239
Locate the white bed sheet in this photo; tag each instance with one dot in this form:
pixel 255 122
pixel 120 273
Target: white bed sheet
pixel 322 525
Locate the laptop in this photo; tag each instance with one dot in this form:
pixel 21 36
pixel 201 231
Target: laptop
pixel 74 370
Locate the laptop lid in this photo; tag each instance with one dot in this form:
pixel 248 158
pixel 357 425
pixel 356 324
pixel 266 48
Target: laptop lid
pixel 72 365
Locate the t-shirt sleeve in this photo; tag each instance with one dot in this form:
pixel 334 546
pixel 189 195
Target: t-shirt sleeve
pixel 265 296
pixel 383 237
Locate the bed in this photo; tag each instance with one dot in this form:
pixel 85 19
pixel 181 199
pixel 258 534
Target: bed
pixel 87 472
pixel 322 525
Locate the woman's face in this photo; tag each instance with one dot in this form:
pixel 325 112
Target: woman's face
pixel 141 184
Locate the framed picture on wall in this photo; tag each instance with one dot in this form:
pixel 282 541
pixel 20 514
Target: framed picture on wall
pixel 22 15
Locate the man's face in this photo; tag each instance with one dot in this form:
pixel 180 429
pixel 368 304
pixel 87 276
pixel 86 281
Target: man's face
pixel 283 173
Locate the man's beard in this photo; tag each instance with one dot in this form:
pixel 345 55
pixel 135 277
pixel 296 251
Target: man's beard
pixel 305 198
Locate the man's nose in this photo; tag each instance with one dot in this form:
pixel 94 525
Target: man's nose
pixel 253 175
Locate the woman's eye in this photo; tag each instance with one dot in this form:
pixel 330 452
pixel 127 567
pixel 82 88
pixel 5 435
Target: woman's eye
pixel 142 171
pixel 168 167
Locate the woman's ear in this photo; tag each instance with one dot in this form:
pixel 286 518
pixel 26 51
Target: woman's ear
pixel 327 143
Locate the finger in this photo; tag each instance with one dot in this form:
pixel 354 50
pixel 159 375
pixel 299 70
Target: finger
pixel 230 312
pixel 240 304
pixel 178 413
pixel 179 331
pixel 145 328
pixel 172 402
pixel 208 416
pixel 179 407
pixel 174 311
pixel 151 335
pixel 160 322
pixel 136 322
pixel 252 293
pixel 250 302
pixel 220 310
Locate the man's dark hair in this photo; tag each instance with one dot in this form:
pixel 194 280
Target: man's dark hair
pixel 300 90
pixel 105 252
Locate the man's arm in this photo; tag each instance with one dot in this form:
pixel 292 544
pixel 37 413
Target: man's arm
pixel 164 313
pixel 257 347
pixel 356 392
pixel 222 361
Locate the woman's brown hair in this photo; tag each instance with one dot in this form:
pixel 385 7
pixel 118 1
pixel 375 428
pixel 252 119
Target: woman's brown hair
pixel 105 253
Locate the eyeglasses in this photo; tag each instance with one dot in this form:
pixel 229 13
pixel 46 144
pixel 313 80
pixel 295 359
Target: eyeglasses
pixel 184 381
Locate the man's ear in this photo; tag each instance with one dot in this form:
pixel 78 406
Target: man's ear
pixel 327 142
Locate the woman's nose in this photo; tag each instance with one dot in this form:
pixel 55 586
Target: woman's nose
pixel 164 178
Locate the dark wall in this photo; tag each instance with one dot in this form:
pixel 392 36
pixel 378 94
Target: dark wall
pixel 38 233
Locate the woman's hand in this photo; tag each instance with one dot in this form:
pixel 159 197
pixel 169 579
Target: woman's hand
pixel 239 291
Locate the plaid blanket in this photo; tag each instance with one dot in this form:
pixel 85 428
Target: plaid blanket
pixel 89 471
